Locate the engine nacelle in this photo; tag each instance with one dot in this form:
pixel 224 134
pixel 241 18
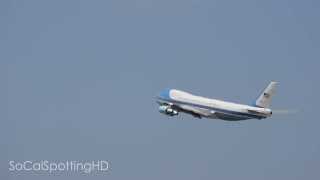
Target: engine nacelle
pixel 167 110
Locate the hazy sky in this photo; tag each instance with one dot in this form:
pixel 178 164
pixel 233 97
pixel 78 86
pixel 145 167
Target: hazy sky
pixel 79 80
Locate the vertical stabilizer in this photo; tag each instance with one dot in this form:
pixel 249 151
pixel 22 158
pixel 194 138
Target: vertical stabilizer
pixel 264 99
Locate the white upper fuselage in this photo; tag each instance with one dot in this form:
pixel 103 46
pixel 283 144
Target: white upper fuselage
pixel 211 108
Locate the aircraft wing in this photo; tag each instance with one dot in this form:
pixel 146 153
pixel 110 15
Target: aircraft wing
pixel 193 111
pixel 186 109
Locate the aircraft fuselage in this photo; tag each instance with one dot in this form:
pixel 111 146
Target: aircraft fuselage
pixel 173 101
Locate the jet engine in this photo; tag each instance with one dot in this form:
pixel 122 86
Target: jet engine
pixel 167 110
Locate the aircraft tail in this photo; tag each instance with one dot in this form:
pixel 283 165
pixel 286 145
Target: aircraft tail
pixel 264 99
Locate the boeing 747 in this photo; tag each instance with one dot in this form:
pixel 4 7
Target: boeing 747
pixel 173 101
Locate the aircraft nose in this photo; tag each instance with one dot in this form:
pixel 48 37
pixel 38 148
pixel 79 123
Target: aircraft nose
pixel 165 94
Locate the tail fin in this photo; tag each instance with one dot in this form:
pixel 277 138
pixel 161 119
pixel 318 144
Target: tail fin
pixel 264 99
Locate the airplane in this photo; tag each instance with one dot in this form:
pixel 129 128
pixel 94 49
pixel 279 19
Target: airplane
pixel 172 101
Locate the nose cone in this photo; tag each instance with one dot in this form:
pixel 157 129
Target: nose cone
pixel 165 94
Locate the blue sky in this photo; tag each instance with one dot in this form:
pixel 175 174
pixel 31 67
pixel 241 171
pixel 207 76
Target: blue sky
pixel 79 80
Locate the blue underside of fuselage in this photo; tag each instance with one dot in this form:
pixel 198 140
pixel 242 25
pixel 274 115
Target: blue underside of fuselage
pixel 221 113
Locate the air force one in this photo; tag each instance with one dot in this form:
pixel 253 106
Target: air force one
pixel 173 101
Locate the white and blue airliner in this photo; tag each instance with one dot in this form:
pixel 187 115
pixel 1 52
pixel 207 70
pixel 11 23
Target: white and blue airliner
pixel 173 101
